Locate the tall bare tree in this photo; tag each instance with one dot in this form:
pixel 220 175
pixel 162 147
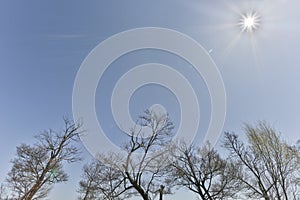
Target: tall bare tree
pixel 37 167
pixel 202 171
pixel 269 165
pixel 141 169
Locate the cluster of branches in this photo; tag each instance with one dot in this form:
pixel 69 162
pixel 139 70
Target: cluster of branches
pixel 262 167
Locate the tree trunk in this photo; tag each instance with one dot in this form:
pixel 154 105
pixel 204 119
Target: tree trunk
pixel 161 192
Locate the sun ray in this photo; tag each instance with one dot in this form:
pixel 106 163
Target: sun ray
pixel 258 65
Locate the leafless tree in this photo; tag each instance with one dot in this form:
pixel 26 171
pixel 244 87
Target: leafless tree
pixel 202 171
pixel 269 167
pixel 37 167
pixel 102 182
pixel 141 169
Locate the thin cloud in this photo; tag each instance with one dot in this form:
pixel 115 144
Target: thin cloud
pixel 66 36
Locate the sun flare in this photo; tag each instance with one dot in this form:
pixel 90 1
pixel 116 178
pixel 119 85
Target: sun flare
pixel 249 22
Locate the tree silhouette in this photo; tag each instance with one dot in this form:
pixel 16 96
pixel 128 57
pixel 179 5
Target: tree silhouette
pixel 37 167
pixel 202 171
pixel 139 170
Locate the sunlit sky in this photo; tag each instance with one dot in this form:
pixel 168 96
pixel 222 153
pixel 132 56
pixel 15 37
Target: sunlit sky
pixel 43 43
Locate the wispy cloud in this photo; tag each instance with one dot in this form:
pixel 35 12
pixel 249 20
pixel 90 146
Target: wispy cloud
pixel 75 37
pixel 66 36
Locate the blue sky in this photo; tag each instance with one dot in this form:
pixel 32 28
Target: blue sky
pixel 43 43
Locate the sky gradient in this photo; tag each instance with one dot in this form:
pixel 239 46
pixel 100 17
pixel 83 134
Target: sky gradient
pixel 43 43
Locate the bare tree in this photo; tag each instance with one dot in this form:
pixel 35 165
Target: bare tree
pixel 102 182
pixel 141 169
pixel 269 166
pixel 37 167
pixel 202 171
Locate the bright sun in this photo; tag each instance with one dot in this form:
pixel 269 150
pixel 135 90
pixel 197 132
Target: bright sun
pixel 249 22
